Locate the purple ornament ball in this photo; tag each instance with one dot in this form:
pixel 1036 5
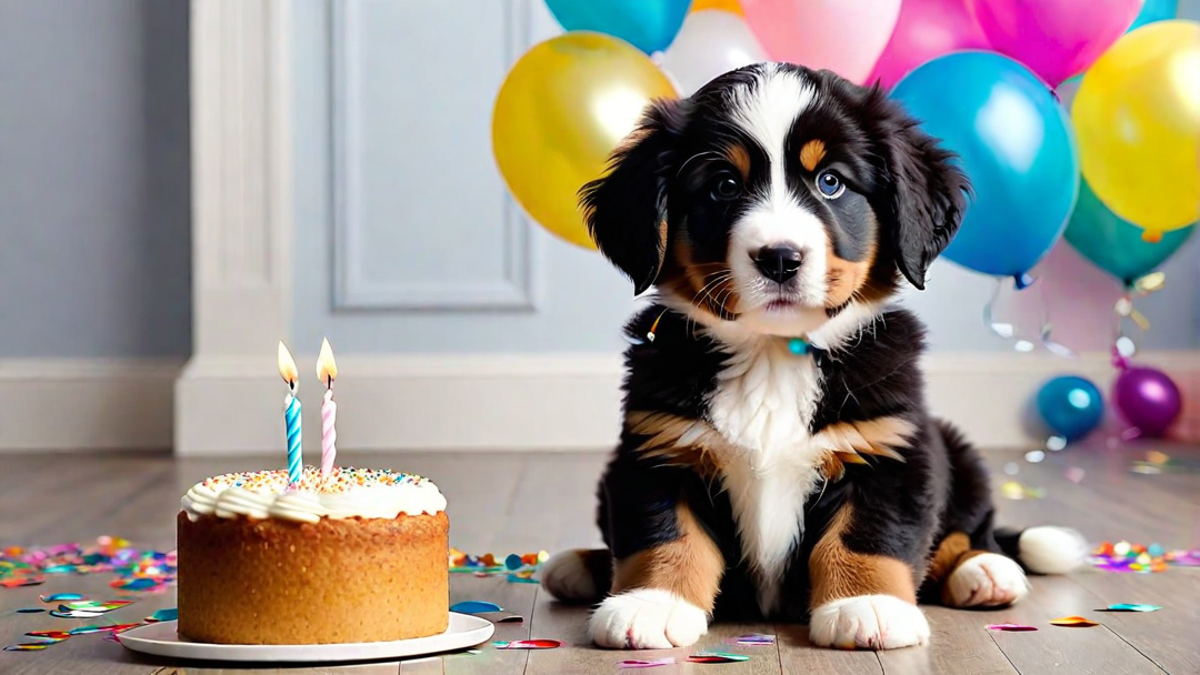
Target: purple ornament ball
pixel 1147 399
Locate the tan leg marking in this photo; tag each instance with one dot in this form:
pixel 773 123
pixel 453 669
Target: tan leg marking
pixel 954 550
pixel 691 566
pixel 837 572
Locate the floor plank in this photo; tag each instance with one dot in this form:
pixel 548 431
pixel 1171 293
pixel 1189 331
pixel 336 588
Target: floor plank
pixel 799 657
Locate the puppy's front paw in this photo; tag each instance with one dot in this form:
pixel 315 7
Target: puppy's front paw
pixel 986 580
pixel 647 618
pixel 869 622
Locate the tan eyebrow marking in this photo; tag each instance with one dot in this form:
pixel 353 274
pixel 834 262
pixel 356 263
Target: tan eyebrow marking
pixel 812 153
pixel 739 158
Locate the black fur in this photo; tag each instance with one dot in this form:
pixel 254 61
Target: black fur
pixel 902 509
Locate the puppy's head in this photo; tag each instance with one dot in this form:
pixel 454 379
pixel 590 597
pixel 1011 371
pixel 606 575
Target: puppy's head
pixel 776 197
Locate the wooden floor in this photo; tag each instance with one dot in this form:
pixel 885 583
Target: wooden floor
pixel 505 503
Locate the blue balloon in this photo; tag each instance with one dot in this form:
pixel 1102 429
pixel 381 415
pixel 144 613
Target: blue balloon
pixel 649 25
pixel 1155 10
pixel 1071 406
pixel 1015 143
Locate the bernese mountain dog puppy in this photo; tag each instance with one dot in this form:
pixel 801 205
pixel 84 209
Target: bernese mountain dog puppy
pixel 777 458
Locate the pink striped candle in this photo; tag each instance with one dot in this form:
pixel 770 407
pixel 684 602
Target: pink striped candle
pixel 327 372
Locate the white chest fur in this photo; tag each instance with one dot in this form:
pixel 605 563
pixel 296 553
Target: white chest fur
pixel 762 406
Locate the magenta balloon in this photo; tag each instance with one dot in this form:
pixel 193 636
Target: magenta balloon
pixel 1057 39
pixel 926 30
pixel 1147 399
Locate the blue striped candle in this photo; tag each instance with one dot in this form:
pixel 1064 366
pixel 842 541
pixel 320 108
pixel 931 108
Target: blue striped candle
pixel 291 415
pixel 291 418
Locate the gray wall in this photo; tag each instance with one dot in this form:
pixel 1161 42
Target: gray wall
pixel 95 253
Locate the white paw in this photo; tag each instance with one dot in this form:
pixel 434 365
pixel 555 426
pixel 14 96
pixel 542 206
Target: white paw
pixel 566 576
pixel 647 618
pixel 987 580
pixel 869 622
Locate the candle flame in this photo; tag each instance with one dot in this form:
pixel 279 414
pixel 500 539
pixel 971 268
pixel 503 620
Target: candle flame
pixel 287 366
pixel 327 370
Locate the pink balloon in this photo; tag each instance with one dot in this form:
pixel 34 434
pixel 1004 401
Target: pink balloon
pixel 1057 39
pixel 845 36
pixel 926 30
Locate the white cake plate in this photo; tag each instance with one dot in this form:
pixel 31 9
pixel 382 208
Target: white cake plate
pixel 161 639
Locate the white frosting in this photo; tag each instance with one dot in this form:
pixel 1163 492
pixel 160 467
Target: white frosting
pixel 345 493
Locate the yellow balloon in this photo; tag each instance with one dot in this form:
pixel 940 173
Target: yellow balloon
pixel 731 6
pixel 1137 118
pixel 561 111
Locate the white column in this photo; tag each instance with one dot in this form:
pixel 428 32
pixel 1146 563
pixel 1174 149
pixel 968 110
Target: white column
pixel 241 225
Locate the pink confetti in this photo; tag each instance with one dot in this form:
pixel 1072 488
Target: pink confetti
pixel 1011 627
pixel 634 663
pixel 530 644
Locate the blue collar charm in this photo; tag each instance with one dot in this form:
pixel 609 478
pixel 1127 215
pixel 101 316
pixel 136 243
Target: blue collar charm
pixel 799 346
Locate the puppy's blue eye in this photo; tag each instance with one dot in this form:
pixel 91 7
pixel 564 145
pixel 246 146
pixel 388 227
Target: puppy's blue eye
pixel 830 185
pixel 726 188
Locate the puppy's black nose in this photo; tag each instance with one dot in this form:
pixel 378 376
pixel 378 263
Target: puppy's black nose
pixel 778 263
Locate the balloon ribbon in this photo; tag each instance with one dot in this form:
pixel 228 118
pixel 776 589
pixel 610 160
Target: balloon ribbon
pixel 1009 331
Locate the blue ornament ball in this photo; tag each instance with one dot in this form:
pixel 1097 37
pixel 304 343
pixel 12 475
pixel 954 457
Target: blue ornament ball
pixel 1071 406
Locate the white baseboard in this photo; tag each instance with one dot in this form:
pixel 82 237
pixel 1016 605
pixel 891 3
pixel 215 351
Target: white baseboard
pixel 559 402
pixel 86 404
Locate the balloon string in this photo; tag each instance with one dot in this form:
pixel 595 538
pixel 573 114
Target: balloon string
pixel 1048 341
pixel 1009 331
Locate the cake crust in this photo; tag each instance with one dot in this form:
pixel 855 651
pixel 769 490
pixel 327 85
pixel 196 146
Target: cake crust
pixel 246 580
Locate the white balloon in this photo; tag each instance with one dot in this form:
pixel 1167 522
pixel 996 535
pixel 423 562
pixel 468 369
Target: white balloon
pixel 711 42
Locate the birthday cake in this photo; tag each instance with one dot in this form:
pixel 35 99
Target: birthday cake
pixel 357 555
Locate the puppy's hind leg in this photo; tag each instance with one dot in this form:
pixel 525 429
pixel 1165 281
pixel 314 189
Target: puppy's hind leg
pixel 578 576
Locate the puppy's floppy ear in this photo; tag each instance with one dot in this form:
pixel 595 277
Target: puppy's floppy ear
pixel 928 192
pixel 626 209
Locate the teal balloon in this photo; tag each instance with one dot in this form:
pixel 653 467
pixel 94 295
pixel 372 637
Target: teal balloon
pixel 1015 144
pixel 1114 244
pixel 1155 10
pixel 1071 406
pixel 649 25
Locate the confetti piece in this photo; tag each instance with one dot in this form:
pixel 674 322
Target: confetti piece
pixel 1073 622
pixel 94 606
pixel 1011 627
pixel 1035 456
pixel 135 584
pixel 634 663
pixel 171 614
pixel 475 607
pixel 755 640
pixel 517 579
pixel 28 647
pixel 717 657
pixel 1129 607
pixel 1014 490
pixel 117 628
pixel 18 582
pixel 50 634
pixel 60 596
pixel 513 562
pixel 30 610
pixel 529 644
pixel 75 614
pixel 1074 474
